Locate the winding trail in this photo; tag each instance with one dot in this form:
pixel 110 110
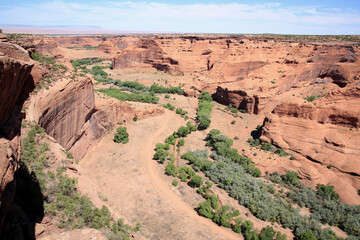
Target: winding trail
pixel 138 190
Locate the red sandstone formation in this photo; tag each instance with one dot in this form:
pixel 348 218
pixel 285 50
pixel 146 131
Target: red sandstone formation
pixel 325 133
pixel 68 113
pixel 16 82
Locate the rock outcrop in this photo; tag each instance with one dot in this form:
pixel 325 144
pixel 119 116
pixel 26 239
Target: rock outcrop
pixel 325 133
pixel 15 84
pixel 68 113
pixel 237 98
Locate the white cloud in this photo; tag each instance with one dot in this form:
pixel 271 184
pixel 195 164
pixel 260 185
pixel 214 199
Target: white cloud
pixel 153 16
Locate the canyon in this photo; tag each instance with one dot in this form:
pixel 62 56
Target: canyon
pixel 302 96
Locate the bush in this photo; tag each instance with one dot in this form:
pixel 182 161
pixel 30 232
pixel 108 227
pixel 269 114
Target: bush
pixel 281 152
pixel 233 122
pixel 170 169
pixel 267 233
pixel 326 192
pixel 169 106
pixel 205 209
pixel 167 96
pixel 291 178
pixel 135 118
pixel 181 143
pixel 268 147
pixel 174 183
pixel 121 135
pixel 310 99
pixel 161 155
pixel 183 131
pixel 195 181
pixel 237 226
pixel 224 216
pixel 307 236
pixel 170 140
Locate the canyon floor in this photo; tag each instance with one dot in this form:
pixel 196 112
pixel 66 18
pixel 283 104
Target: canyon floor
pixel 300 97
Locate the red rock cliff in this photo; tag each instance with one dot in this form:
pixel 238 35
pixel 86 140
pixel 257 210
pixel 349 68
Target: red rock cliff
pixel 15 84
pixel 68 113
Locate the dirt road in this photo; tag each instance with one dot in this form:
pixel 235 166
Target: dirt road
pixel 131 180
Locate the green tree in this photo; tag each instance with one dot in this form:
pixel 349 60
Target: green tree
pixel 205 209
pixel 267 233
pixel 183 131
pixel 181 142
pixel 291 178
pixel 307 236
pixel 326 192
pixel 195 181
pixel 121 135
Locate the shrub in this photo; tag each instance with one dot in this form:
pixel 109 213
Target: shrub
pixel 121 135
pixel 267 147
pixel 223 216
pixel 195 181
pixel 267 233
pixel 253 142
pixel 183 131
pixel 307 236
pixel 174 183
pixel 160 155
pixel 181 142
pixel 233 122
pixel 291 178
pixel 281 152
pixel 326 192
pixel 237 226
pixel 170 169
pixel 167 96
pixel 169 106
pixel 310 99
pixel 135 118
pixel 205 209
pixel 171 140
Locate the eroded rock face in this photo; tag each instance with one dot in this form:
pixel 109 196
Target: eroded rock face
pixel 15 84
pixel 68 113
pixel 325 133
pixel 237 98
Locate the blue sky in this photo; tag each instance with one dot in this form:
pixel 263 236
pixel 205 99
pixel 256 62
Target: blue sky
pixel 285 17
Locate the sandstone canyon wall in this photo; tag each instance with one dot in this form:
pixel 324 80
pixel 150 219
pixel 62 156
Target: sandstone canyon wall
pixel 325 132
pixel 16 82
pixel 68 113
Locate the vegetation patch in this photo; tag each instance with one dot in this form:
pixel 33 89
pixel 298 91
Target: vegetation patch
pixel 62 202
pixel 122 96
pixel 204 110
pixel 41 58
pixel 121 135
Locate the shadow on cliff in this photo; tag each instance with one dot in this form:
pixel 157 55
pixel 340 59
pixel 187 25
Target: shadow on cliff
pixel 27 208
